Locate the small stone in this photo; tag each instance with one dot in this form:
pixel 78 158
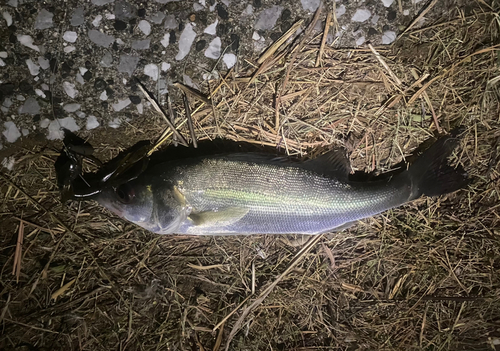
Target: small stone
pixel 166 39
pixel 165 66
pixel 80 114
pixel 97 21
pixel 44 20
pixel 200 45
pixel 222 12
pixel 121 104
pixel 78 18
pixel 214 49
pixel 9 162
pixel 140 108
pixel 12 3
pixel 310 5
pixel 229 60
pixel 103 96
pixel 30 107
pixel 145 27
pixel 27 41
pixel 70 36
pixel 255 36
pixel 388 37
pixel 136 100
pixel 267 18
pixel 71 107
pixel 141 44
pixel 391 15
pixel 248 11
pixel 192 17
pixel 11 132
pixel 212 29
pixel 54 130
pixel 70 90
pixel 44 63
pixel 107 60
pixel 100 84
pixel 33 67
pixel 7 17
pixel 120 25
pixel 92 123
pixel 110 16
pixel 40 93
pixel 101 2
pixel 151 70
pixel 340 10
pixel 87 76
pixel 115 123
pixel 171 22
pixel 189 82
pixel 387 3
pixel 157 18
pixel 7 89
pixel 128 63
pixel 44 123
pixel 2 63
pixel 69 49
pixel 186 41
pixel 360 41
pixel 198 7
pixel 25 131
pixel 141 12
pixel 100 39
pixel 124 10
pixel 361 15
pixel 406 12
pixel 235 42
pixel 3 54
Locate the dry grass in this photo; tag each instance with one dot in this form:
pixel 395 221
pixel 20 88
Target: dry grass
pixel 424 276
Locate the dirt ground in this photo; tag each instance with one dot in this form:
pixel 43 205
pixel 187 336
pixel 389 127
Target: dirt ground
pixel 425 276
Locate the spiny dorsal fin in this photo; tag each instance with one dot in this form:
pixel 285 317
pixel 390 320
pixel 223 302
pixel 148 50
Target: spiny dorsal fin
pixel 333 164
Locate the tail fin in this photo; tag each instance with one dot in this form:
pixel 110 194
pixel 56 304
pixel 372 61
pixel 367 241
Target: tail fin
pixel 431 174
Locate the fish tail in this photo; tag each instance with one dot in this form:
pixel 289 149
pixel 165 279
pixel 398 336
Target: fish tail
pixel 431 174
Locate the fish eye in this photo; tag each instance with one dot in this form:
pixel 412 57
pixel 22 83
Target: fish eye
pixel 125 193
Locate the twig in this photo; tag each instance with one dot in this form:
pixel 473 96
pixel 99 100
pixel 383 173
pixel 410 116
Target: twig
pixel 323 40
pixel 276 45
pixel 231 313
pixel 418 18
pixel 160 111
pixel 189 120
pixel 16 269
pixel 171 116
pixel 384 64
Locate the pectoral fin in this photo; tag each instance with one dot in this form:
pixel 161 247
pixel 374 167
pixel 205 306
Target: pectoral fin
pixel 220 218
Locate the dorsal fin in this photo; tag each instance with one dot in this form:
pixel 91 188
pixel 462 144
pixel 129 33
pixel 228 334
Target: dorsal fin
pixel 334 164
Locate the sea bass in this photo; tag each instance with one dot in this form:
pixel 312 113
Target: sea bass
pixel 247 193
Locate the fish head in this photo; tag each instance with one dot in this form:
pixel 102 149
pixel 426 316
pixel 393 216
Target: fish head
pixel 132 201
pixel 157 208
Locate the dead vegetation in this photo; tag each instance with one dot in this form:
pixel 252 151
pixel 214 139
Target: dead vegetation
pixel 424 276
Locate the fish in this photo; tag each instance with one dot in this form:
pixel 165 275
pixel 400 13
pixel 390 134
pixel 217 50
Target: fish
pixel 253 193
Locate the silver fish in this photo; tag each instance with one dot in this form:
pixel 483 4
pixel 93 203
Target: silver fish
pixel 259 194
